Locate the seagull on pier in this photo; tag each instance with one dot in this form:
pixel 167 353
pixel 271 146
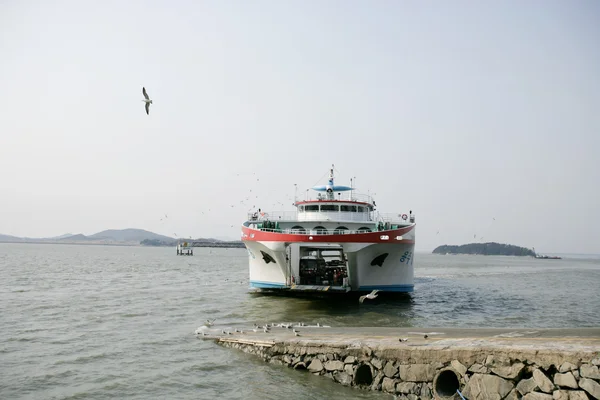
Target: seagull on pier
pixel 369 296
pixel 146 100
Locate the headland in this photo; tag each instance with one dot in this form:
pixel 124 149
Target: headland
pixel 486 249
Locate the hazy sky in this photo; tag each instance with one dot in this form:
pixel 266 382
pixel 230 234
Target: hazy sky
pixel 462 111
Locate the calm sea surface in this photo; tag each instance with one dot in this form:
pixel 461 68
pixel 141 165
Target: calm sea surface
pixel 102 322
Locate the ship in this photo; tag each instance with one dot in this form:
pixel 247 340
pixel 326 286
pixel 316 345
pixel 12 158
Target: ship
pixel 335 241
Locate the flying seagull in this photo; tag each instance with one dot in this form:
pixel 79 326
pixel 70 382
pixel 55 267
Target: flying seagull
pixel 369 296
pixel 146 100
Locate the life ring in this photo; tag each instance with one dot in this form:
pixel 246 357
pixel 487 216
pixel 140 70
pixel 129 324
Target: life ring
pixel 404 216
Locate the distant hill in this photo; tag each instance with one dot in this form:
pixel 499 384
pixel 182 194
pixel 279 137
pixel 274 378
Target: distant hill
pixel 129 235
pixel 79 236
pixel 486 249
pixel 62 236
pixel 8 238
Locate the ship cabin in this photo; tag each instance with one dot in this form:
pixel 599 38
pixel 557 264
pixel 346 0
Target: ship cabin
pixel 325 216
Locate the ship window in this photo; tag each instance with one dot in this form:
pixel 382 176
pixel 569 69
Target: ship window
pixel 298 229
pixel 311 208
pixel 360 209
pixel 364 229
pixel 321 230
pixel 301 208
pixel 329 207
pixel 348 208
pixel 339 230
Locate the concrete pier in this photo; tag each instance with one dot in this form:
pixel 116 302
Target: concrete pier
pixel 426 363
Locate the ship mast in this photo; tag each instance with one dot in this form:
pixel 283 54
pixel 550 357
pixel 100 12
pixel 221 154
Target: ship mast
pixel 330 185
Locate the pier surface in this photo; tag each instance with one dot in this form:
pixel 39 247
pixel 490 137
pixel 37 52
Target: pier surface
pixel 559 339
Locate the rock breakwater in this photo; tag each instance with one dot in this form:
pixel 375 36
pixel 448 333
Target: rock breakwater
pixel 479 369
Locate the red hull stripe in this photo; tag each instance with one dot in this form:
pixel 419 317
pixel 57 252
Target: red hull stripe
pixel 255 235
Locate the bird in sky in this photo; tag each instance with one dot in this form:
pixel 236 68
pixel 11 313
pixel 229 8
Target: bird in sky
pixel 146 100
pixel 369 296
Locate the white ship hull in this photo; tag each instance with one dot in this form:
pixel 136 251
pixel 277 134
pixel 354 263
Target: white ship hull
pixel 331 244
pixel 274 264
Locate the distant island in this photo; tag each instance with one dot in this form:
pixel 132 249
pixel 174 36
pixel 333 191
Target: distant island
pixel 193 243
pixel 122 237
pixel 486 249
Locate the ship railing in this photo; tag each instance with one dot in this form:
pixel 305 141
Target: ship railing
pixel 318 232
pixel 343 196
pixel 375 216
pixel 273 216
pixel 395 218
pixel 341 216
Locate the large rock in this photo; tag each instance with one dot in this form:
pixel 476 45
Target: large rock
pixel 334 365
pixel 458 367
pixel 590 386
pixel 406 387
pixel 349 369
pixel 565 380
pixel 350 360
pixel 376 385
pixel 315 365
pixel 537 396
pixel 589 371
pixel 542 381
pixel 417 372
pixel 596 361
pixel 376 362
pixel 388 385
pixel 496 361
pixel 343 378
pixel 566 367
pixel 487 387
pixel 390 370
pixel 425 393
pixel 513 395
pixel 510 371
pixel 478 369
pixel 526 385
pixel 578 395
pixel 560 395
